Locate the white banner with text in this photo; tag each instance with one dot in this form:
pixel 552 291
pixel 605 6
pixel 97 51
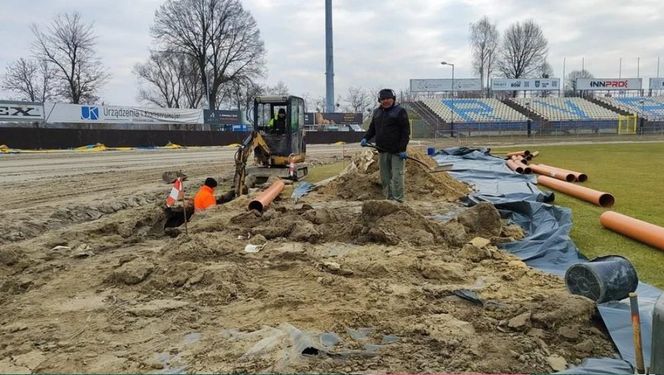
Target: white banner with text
pixel 97 114
pixel 608 84
pixel 518 84
pixel 440 85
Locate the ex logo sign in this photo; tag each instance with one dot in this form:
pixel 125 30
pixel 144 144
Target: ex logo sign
pixel 19 111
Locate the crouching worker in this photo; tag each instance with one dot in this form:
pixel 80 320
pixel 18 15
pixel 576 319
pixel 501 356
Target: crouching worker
pixel 205 197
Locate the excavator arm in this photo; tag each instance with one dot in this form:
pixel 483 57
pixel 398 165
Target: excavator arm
pixel 254 143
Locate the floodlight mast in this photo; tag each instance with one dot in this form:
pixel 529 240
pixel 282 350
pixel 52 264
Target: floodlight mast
pixel 329 59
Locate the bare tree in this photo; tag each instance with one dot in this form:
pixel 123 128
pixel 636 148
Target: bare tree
pixel 524 50
pixel 219 35
pixel 545 70
pixel 171 79
pixel 240 94
pixel 358 100
pixel 192 86
pixel 313 103
pixel 279 89
pixel 69 45
pixel 32 80
pixel 570 80
pixel 484 45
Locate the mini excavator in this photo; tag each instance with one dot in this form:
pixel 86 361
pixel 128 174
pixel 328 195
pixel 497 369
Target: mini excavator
pixel 278 149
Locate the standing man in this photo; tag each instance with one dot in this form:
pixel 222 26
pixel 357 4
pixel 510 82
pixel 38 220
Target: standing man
pixel 390 126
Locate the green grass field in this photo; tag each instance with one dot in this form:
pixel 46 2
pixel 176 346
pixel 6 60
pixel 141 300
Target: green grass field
pixel 630 172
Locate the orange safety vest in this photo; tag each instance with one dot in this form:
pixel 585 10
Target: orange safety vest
pixel 204 198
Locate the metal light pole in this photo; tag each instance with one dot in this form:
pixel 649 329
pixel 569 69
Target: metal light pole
pixel 620 68
pixel 329 59
pixel 451 108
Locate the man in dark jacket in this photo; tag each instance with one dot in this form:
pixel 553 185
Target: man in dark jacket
pixel 390 126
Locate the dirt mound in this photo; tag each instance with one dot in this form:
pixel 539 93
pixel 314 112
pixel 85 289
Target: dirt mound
pixel 373 221
pixel 27 224
pixel 361 180
pixel 319 285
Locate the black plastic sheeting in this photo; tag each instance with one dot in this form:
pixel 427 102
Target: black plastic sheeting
pixel 547 245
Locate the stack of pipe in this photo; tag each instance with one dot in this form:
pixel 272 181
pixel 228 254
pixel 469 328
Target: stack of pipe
pixel 518 161
pixel 561 179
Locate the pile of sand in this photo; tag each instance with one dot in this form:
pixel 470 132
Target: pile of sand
pixel 361 180
pixel 328 285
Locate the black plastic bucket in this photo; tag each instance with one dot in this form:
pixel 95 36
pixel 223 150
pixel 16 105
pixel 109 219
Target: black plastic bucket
pixel 607 278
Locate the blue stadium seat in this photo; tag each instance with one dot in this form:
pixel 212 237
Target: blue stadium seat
pixel 567 109
pixel 474 110
pixel 651 108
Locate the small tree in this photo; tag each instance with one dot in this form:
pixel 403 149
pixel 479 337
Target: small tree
pixel 570 80
pixel 30 79
pixel 523 51
pixel 279 89
pixel 484 45
pixel 69 45
pixel 240 94
pixel 171 79
pixel 358 100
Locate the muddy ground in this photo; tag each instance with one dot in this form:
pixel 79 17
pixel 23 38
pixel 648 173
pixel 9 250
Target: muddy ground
pixel 338 281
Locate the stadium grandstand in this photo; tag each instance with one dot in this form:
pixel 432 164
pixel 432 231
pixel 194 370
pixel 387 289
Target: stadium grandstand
pixel 650 108
pixel 567 115
pixel 566 109
pixel 474 115
pixel 473 110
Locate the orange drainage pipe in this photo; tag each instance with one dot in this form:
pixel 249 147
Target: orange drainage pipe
pixel 593 196
pixel 518 167
pixel 639 230
pixel 546 171
pixel 519 159
pixel 266 197
pixel 580 177
pixel 521 153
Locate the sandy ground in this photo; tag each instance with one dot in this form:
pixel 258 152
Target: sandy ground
pixel 340 280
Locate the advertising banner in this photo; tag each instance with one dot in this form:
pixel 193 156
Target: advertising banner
pixel 439 85
pixel 221 117
pixel 530 84
pixel 21 111
pixel 608 84
pixel 90 114
pixel 325 118
pixel 657 83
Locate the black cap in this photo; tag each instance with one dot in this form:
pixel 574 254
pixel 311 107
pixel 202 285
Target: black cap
pixel 386 94
pixel 281 110
pixel 211 182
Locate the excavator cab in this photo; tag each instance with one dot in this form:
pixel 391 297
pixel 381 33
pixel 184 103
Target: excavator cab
pixel 284 135
pixel 277 143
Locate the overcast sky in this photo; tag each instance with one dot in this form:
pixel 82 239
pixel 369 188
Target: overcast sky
pixel 377 43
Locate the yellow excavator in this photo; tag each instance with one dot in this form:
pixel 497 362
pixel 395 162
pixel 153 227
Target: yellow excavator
pixel 277 143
